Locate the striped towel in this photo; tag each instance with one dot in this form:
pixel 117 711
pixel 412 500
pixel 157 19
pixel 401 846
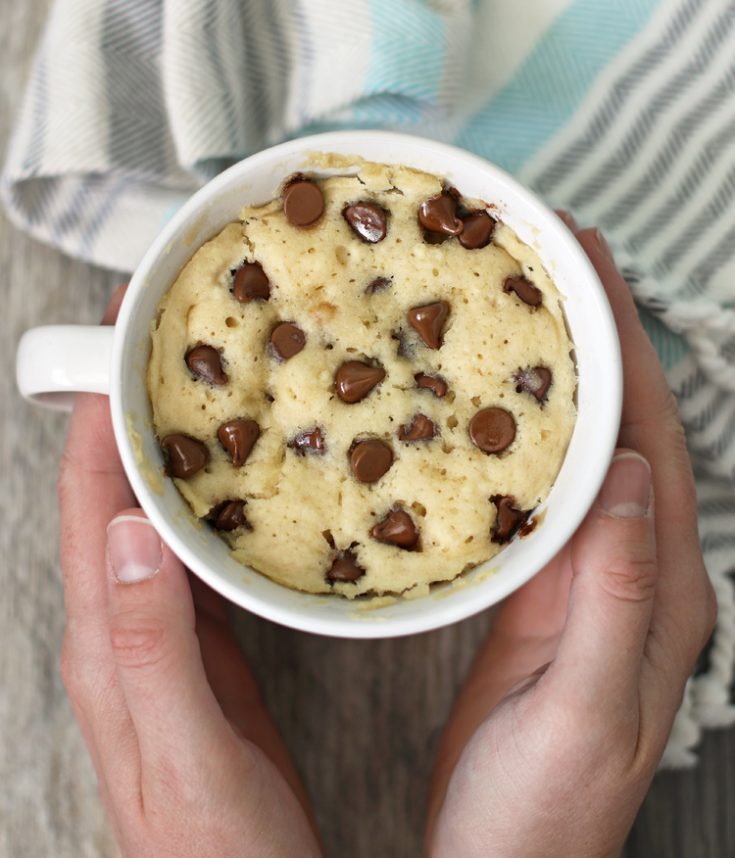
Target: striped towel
pixel 621 111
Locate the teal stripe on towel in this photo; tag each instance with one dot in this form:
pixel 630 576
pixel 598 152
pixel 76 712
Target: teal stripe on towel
pixel 406 65
pixel 553 80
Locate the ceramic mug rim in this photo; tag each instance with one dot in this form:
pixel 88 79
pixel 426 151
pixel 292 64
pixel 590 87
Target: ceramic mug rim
pixel 448 608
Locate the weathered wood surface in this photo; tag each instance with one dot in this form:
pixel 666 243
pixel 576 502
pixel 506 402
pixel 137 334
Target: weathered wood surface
pixel 361 718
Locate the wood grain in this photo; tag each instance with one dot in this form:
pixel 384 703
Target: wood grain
pixel 361 718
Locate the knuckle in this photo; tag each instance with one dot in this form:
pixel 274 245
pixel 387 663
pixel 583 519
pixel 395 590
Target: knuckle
pixel 631 579
pixel 678 642
pixel 670 411
pixel 89 682
pixel 138 642
pixel 684 480
pixel 710 611
pixel 671 650
pixel 667 411
pixel 660 418
pixel 664 417
pixel 706 620
pixel 701 612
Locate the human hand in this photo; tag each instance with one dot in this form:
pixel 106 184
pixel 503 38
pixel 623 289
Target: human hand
pixel 187 760
pixel 558 730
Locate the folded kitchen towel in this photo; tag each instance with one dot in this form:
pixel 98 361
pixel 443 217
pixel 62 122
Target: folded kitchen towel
pixel 622 112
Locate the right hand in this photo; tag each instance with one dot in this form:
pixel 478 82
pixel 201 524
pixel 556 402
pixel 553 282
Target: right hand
pixel 559 728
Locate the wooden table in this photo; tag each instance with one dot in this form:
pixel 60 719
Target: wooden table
pixel 361 718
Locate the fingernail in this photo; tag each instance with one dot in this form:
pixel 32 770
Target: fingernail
pixel 133 549
pixel 568 219
pixel 626 492
pixel 602 245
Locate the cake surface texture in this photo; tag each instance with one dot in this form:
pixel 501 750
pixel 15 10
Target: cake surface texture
pixel 365 385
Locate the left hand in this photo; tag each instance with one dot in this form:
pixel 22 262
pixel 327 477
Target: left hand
pixel 188 762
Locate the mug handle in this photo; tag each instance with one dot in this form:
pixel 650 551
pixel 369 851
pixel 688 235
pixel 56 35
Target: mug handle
pixel 56 361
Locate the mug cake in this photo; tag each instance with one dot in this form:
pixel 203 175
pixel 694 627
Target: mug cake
pixel 365 385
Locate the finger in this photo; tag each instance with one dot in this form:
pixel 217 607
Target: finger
pixel 92 488
pixel 648 399
pixel 523 639
pixel 229 675
pixel 524 636
pixel 537 610
pixel 568 219
pixel 113 308
pixel 178 722
pixel 650 425
pixel 613 554
pixel 235 688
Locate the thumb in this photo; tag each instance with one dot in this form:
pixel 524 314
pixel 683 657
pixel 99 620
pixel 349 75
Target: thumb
pixel 152 631
pixel 613 558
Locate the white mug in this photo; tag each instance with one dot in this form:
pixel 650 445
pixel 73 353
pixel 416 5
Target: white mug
pixel 55 362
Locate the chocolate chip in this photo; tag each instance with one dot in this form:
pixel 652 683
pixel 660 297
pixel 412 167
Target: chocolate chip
pixel 206 363
pixel 303 202
pixel 370 459
pixel 398 529
pixel 508 519
pixel 368 221
pixel 492 429
pixel 403 349
pixel 439 214
pixel 419 429
pixel 345 568
pixel 287 340
pixel 311 441
pixel 524 289
pixel 355 379
pixel 428 322
pixel 229 515
pixel 478 230
pixel 238 437
pixel 251 283
pixel 379 284
pixel 535 380
pixel 434 383
pixel 436 237
pixel 185 456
